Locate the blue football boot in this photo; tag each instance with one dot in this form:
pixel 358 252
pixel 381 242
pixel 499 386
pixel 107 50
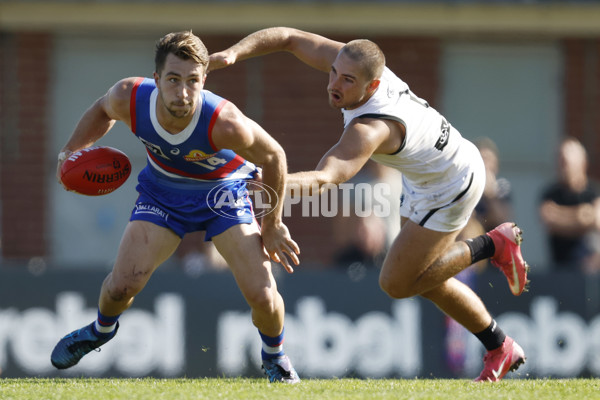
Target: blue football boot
pixel 71 348
pixel 280 369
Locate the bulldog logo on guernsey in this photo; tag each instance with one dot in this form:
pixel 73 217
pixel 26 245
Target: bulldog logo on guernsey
pixel 223 198
pixel 197 155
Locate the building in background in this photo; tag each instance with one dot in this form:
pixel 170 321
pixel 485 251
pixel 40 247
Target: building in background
pixel 519 72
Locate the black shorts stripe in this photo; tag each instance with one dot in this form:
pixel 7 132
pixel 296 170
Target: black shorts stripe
pixel 458 197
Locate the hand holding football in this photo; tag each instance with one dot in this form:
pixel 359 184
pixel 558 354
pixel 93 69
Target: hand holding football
pixel 95 171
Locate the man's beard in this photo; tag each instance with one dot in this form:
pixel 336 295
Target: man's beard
pixel 180 112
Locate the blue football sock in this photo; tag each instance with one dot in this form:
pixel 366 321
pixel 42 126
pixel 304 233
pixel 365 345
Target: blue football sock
pixel 105 325
pixel 272 346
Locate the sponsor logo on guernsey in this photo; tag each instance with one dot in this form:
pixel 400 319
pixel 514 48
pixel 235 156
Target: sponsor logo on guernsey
pixel 391 92
pixel 154 148
pixel 444 136
pixel 197 155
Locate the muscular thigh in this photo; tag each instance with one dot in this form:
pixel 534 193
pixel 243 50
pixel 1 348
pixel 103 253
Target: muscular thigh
pixel 144 246
pixel 241 246
pixel 414 250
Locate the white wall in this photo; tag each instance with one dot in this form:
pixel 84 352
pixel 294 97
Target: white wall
pixel 86 231
pixel 512 94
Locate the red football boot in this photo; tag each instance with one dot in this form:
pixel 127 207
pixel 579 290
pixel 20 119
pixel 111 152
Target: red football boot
pixel 507 240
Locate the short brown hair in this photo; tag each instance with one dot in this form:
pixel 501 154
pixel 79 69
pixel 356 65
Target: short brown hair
pixel 184 45
pixel 369 56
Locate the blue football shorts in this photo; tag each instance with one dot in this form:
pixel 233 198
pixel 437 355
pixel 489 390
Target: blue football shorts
pixel 209 207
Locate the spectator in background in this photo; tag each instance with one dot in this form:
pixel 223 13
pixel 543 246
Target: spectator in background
pixel 495 204
pixel 363 241
pixel 570 211
pixel 198 256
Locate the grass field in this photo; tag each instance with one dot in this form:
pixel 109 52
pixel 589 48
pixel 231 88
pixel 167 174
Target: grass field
pixel 322 389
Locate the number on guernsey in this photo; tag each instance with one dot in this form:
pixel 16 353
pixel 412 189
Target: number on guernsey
pixel 213 161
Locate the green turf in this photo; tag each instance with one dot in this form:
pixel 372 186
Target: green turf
pixel 321 389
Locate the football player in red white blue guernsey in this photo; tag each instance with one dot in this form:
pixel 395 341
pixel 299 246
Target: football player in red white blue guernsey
pixel 196 141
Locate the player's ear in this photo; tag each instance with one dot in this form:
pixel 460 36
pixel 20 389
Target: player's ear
pixel 374 84
pixel 156 77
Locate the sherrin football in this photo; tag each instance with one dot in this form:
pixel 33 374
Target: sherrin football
pixel 95 171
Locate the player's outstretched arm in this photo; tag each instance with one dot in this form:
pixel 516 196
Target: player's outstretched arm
pixel 345 159
pixel 236 132
pixel 317 51
pixel 99 118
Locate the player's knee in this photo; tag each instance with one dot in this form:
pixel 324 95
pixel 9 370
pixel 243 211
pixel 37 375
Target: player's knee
pixel 124 289
pixel 394 290
pixel 262 299
pixel 121 293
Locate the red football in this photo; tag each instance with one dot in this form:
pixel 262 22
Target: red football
pixel 95 171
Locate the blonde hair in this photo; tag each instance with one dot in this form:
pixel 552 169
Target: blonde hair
pixel 368 55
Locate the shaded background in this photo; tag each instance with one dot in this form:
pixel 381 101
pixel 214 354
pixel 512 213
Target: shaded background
pixel 521 72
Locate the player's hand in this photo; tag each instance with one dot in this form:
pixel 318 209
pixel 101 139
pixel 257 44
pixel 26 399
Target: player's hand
pixel 62 157
pixel 220 60
pixel 279 245
pixel 257 175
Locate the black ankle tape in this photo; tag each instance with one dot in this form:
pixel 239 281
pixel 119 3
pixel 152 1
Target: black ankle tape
pixel 482 247
pixel 492 337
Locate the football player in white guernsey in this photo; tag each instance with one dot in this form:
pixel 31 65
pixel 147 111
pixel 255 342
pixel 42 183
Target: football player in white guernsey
pixel 442 175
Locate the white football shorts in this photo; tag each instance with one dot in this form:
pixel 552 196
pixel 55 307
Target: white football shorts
pixel 445 208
